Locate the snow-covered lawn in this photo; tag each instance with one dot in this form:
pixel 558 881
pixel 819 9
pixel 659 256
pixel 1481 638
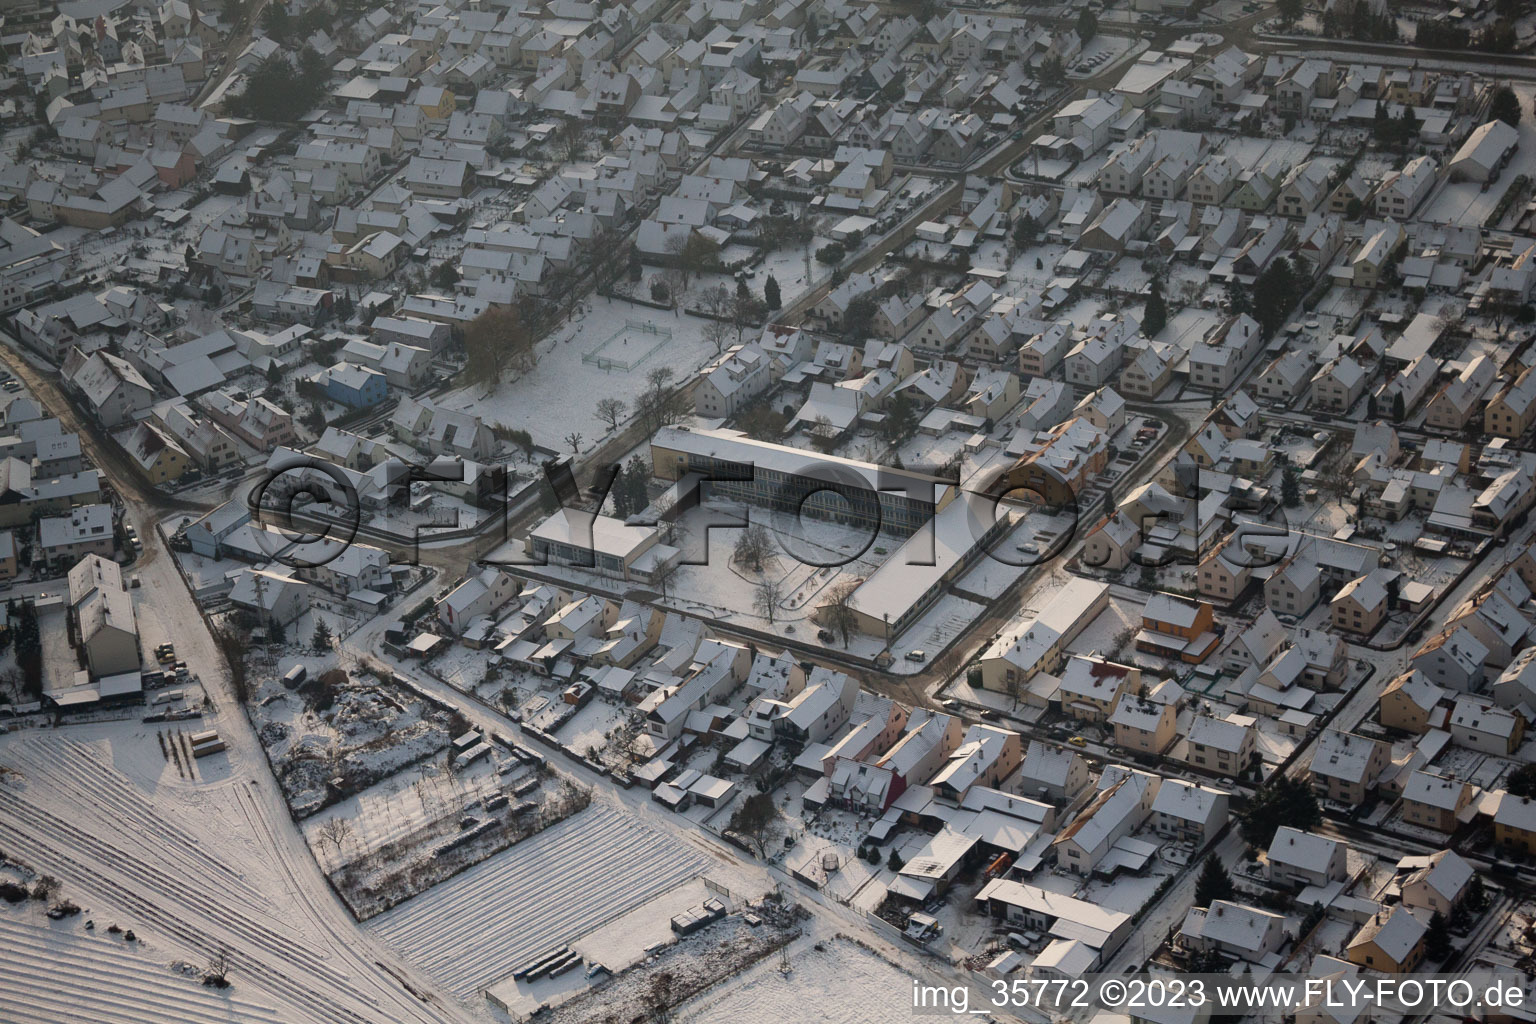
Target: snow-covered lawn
pixel 480 926
pixel 559 395
pixel 839 983
pixel 590 726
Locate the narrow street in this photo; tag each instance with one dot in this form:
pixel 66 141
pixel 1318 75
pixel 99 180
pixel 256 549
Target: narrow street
pixel 105 453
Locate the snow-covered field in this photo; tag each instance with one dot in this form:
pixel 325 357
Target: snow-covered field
pixel 838 984
pixel 479 927
pixel 125 978
pixel 559 395
pixel 191 869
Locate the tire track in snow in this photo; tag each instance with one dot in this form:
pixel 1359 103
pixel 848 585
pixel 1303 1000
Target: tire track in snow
pixel 151 877
pixel 114 797
pixel 168 912
pixel 105 981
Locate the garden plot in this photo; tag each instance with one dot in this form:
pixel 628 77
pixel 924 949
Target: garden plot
pixel 336 726
pixel 935 630
pixel 1108 632
pixel 455 839
pixel 617 945
pixel 479 927
pixel 596 727
pixel 995 573
pixel 838 983
pixel 401 805
pixel 716 587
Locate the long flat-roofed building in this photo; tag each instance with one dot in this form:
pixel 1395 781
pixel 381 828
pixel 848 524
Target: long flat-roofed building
pixel 612 547
pixel 735 467
pixel 918 573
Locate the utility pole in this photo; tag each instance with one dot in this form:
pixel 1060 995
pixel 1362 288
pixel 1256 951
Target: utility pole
pixel 266 619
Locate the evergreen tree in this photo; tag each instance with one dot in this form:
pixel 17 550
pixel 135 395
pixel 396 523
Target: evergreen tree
pixel 280 91
pixel 1238 300
pixel 1025 231
pixel 894 861
pixel 1283 801
pixel 1476 894
pixel 1437 940
pixel 1087 25
pixel 1290 488
pixel 1522 781
pixel 771 296
pixel 277 22
pixel 1214 883
pixel 1505 106
pixel 1155 317
pixel 622 509
pixel 1275 294
pixel 636 477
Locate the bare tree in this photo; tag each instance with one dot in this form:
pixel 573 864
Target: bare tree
pixel 611 411
pixel 756 819
pixel 663 576
pixel 675 282
pixel 1449 318
pixel 574 439
pixel 1336 480
pixel 335 832
pixel 753 546
pixel 693 254
pixel 216 973
pixel 677 247
pixel 571 137
pixel 12 680
pixel 660 404
pixel 769 593
pixel 743 310
pixel 717 333
pixel 839 613
pixel 824 436
pixel 495 341
pixel 716 300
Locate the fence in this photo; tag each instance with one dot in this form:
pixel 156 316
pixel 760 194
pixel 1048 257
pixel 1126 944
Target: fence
pixel 600 358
